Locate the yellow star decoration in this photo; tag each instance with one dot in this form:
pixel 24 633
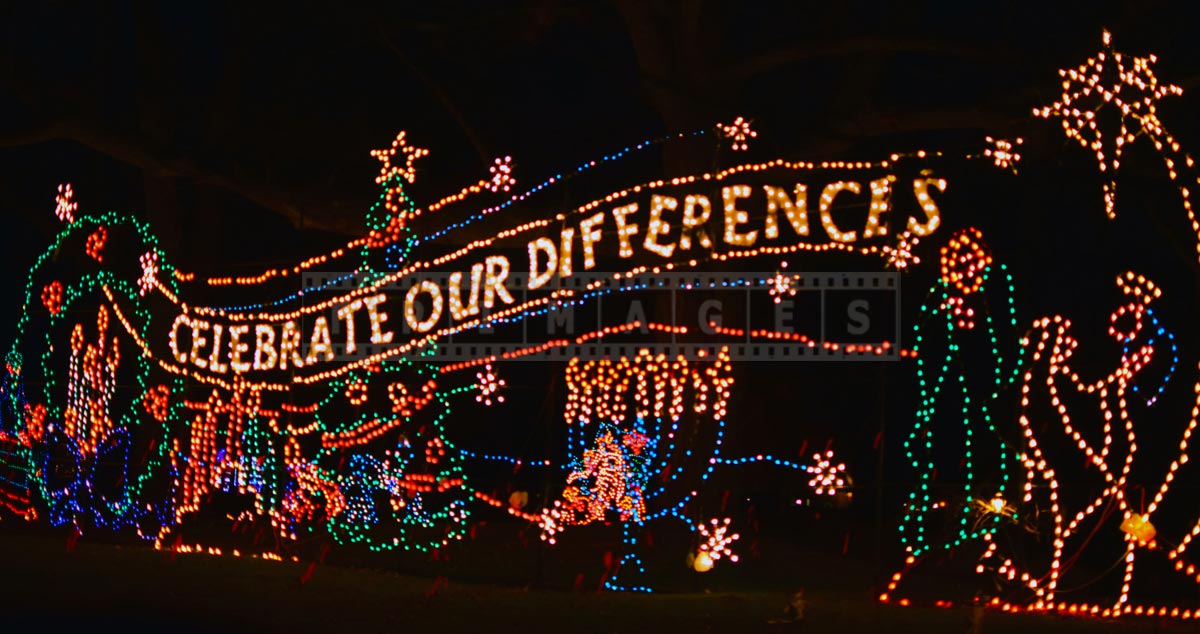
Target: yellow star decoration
pixel 410 153
pixel 1125 83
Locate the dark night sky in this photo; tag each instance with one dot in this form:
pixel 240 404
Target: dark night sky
pixel 219 120
pixel 243 134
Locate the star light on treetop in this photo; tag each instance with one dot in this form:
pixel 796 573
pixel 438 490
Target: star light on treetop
pixel 1123 82
pixel 388 171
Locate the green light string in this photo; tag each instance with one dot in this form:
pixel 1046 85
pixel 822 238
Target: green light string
pixel 950 377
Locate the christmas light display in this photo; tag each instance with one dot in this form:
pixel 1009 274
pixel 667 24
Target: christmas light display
pixel 325 408
pixel 638 465
pixel 624 417
pixel 1027 521
pixel 328 411
pixel 970 283
pixel 1073 524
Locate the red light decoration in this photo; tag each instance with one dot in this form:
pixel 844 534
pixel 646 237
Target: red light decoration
pixel 156 400
pixel 35 426
pixel 91 382
pixel 52 296
pixel 964 260
pixel 95 244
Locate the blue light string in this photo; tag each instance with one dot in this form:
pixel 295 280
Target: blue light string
pixel 1159 331
pixel 509 459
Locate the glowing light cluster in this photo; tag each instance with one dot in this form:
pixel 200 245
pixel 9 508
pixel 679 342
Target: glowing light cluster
pixel 635 406
pixel 1003 152
pixel 409 154
pixel 902 254
pixel 827 476
pixel 149 279
pixel 1051 383
pixel 715 545
pixel 64 207
pixel 489 386
pixel 782 285
pixel 965 261
pixel 740 132
pixel 52 297
pixel 92 378
pixel 502 178
pixel 1134 95
pixel 95 244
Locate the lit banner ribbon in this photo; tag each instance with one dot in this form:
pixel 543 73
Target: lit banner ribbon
pixel 765 210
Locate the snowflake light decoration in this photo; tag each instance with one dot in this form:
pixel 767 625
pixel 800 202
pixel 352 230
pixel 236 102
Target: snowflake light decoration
pixel 781 285
pixel 148 280
pixel 901 255
pixel 502 178
pixel 551 523
pixel 1003 152
pixel 1128 85
pixel 65 207
pixel 739 131
pixel 717 540
pixel 489 386
pixel 827 477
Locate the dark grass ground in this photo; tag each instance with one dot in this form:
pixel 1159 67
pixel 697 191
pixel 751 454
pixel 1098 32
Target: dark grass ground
pixel 44 586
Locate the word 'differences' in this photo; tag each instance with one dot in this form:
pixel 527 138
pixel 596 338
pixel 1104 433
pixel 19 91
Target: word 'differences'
pixel 690 226
pixel 667 226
